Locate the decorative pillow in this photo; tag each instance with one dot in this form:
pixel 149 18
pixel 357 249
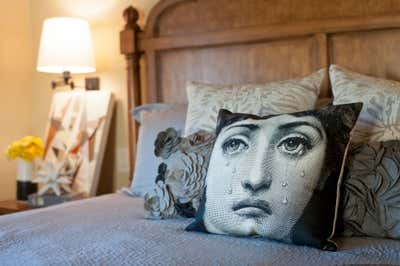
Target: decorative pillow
pixel 371 201
pixel 181 176
pixel 259 99
pixel 152 118
pixel 277 176
pixel 380 117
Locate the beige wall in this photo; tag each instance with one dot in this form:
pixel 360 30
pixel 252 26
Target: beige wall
pixel 30 90
pixel 105 18
pixel 15 79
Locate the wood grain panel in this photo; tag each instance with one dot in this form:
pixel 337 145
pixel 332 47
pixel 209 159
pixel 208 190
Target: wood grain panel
pixel 242 41
pixel 371 52
pixel 237 64
pixel 269 32
pixel 198 16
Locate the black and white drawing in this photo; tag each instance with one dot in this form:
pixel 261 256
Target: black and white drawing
pixel 260 174
pixel 273 176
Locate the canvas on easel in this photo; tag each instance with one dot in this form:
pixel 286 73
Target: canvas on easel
pixel 76 135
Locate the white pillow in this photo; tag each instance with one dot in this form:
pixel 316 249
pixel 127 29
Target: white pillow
pixel 153 119
pixel 288 96
pixel 380 117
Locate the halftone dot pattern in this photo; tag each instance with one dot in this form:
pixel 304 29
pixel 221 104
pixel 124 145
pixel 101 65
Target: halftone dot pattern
pixel 277 176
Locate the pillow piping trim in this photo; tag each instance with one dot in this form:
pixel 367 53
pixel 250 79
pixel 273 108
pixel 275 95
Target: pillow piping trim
pixel 338 194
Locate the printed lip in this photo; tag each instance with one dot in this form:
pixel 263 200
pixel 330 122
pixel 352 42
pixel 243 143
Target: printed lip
pixel 251 204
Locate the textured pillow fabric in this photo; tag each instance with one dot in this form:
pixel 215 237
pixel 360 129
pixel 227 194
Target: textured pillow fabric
pixel 153 118
pixel 259 99
pixel 181 176
pixel 371 202
pixel 380 117
pixel 277 176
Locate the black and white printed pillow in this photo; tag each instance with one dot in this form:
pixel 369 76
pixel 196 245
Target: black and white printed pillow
pixel 180 181
pixel 277 176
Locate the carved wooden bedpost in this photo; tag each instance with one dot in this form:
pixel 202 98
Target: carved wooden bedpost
pixel 128 46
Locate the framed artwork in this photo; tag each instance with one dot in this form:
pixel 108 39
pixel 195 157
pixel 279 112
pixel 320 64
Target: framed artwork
pixel 76 136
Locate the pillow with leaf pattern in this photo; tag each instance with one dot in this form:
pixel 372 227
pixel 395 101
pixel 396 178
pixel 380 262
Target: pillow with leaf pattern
pixel 181 175
pixel 205 100
pixel 371 202
pixel 380 117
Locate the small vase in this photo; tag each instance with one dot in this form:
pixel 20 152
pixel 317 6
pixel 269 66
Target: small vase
pixel 25 173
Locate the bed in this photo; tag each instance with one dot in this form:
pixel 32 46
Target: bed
pixel 246 41
pixel 111 230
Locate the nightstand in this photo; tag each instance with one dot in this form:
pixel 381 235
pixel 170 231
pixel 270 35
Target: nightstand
pixel 12 206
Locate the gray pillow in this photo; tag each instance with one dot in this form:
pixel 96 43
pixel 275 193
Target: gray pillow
pixel 153 118
pixel 181 176
pixel 371 202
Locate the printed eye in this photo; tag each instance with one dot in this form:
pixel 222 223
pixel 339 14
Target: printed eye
pixel 295 145
pixel 234 146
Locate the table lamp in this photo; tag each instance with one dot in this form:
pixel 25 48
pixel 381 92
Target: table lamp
pixel 66 48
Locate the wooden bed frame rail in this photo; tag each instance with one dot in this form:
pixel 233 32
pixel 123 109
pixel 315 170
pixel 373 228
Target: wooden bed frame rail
pixel 129 47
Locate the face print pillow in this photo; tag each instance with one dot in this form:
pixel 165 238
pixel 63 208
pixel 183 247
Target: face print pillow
pixel 277 176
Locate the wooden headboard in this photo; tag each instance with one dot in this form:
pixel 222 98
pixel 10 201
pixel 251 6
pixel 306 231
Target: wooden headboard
pixel 253 41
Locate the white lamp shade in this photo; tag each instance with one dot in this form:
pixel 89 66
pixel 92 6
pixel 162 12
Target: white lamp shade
pixel 66 45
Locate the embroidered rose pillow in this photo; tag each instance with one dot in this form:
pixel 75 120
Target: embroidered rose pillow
pixel 277 176
pixel 181 175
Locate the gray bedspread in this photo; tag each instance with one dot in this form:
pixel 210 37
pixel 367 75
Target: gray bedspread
pixel 110 230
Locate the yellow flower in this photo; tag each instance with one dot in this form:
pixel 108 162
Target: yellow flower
pixel 28 148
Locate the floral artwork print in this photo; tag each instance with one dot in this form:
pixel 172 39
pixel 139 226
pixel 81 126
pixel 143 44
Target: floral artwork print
pixel 76 135
pixel 181 176
pixel 371 201
pixel 56 179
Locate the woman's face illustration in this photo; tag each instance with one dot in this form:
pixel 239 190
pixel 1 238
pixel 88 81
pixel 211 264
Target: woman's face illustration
pixel 263 172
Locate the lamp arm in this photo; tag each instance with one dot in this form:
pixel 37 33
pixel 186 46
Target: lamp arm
pixel 90 83
pixel 66 80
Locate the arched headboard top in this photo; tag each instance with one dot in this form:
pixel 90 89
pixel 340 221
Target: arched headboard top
pixel 185 17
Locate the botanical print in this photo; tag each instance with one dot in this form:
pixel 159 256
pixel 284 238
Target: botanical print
pixel 263 99
pixel 159 203
pixel 181 175
pixel 381 120
pixel 76 135
pixel 372 191
pixel 380 117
